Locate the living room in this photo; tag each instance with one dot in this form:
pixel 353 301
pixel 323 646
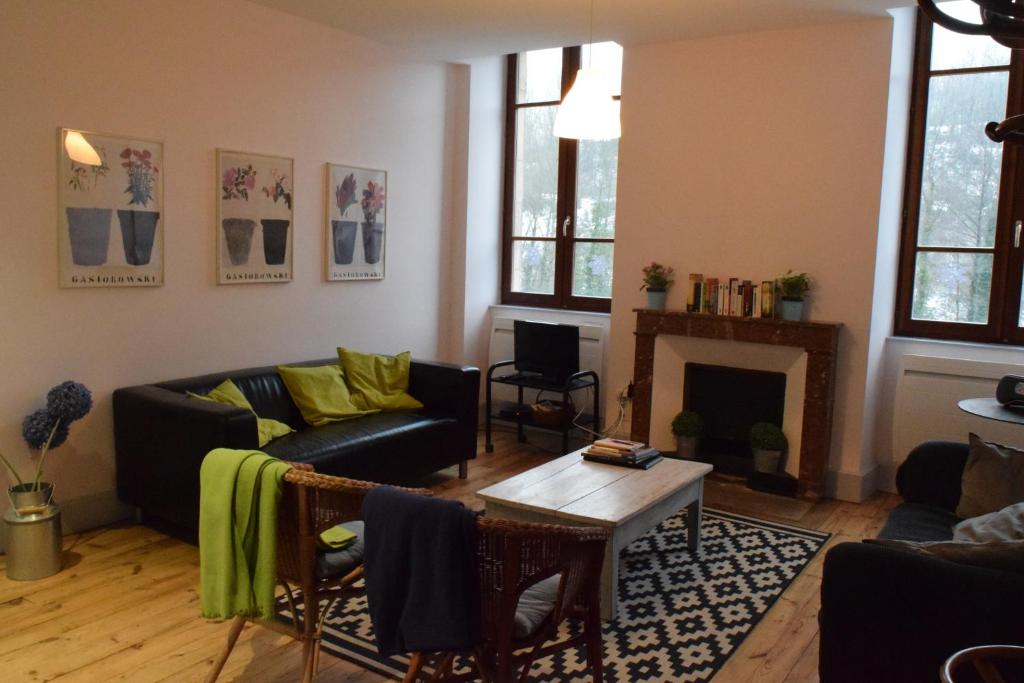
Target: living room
pixel 753 143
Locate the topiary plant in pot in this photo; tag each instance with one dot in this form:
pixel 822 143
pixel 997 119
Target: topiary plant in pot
pixel 687 427
pixel 794 288
pixel 768 443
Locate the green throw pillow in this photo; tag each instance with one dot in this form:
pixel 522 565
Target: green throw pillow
pixel 381 381
pixel 228 393
pixel 321 394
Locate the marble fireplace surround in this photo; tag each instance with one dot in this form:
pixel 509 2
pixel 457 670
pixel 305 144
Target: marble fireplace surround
pixel 816 344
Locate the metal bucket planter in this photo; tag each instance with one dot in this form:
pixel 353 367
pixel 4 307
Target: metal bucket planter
pixel 33 533
pixel 89 231
pixel 344 238
pixel 373 240
pixel 138 231
pixel 656 299
pixel 275 240
pixel 686 447
pixel 793 309
pixel 238 236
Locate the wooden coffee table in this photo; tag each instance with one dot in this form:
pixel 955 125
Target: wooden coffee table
pixel 570 490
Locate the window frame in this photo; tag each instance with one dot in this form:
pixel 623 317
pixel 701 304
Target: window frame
pixel 1005 298
pixel 565 235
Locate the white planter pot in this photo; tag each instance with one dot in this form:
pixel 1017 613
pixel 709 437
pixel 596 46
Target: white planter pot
pixel 766 462
pixel 792 310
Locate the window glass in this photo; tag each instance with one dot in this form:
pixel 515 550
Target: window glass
pixel 533 267
pixel 952 287
pixel 539 76
pixel 535 200
pixel 596 168
pixel 951 50
pixel 592 269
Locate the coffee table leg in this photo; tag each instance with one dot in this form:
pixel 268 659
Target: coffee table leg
pixel 610 580
pixel 693 519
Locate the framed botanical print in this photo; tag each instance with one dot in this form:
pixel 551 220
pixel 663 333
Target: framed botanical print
pixel 109 187
pixel 255 217
pixel 355 223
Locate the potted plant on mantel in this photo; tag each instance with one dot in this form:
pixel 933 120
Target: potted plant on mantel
pixel 687 427
pixel 768 442
pixel 33 522
pixel 794 288
pixel 657 280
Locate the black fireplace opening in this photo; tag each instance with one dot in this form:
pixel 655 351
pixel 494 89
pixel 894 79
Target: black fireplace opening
pixel 731 400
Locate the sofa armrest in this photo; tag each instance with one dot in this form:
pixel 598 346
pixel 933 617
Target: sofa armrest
pixel 931 474
pixel 452 391
pixel 891 615
pixel 160 440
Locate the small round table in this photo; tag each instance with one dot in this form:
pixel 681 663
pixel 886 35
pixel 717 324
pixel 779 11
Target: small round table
pixel 991 409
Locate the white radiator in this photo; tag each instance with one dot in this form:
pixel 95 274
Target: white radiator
pixel 927 392
pixel 591 358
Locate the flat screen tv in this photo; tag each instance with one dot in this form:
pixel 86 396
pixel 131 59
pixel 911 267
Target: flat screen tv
pixel 547 349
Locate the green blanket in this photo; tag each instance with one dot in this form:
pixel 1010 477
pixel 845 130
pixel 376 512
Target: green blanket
pixel 238 498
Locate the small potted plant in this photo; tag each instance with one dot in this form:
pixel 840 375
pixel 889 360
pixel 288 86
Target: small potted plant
pixel 794 288
pixel 657 280
pixel 687 427
pixel 768 443
pixel 138 227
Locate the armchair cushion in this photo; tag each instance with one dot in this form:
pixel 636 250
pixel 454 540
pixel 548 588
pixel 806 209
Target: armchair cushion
pixel 535 604
pixel 1005 525
pixel 919 522
pixel 340 562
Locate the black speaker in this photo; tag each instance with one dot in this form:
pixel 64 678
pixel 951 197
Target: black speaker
pixel 1010 391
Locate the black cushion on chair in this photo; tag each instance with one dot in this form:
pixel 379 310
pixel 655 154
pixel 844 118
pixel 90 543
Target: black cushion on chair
pixel 333 563
pixel 917 522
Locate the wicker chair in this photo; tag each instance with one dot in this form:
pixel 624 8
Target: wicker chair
pixel 310 504
pixel 512 557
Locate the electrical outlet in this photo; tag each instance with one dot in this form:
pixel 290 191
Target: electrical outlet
pixel 626 394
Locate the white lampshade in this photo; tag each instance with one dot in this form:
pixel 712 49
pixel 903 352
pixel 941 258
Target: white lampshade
pixel 589 112
pixel 80 150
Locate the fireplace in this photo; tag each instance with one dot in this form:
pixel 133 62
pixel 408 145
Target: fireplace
pixel 731 400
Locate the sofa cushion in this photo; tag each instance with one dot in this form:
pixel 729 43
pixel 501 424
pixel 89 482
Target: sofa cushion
pixel 1007 556
pixel 1005 525
pixel 321 394
pixel 381 381
pixel 912 522
pixel 228 394
pixel 352 436
pixel 993 478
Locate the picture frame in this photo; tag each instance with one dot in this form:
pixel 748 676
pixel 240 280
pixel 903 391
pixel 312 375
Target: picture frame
pixel 355 223
pixel 255 217
pixel 124 187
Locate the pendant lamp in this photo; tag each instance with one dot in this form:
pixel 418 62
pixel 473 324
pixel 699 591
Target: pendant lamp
pixel 80 150
pixel 589 111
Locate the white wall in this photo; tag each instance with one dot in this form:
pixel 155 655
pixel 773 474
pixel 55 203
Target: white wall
pixel 751 154
pixel 200 75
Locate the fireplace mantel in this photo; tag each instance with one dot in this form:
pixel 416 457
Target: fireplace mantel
pixel 820 340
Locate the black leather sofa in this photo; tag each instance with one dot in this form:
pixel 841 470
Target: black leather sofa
pixel 888 615
pixel 161 436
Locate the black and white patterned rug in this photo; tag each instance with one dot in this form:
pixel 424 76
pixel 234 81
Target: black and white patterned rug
pixel 680 616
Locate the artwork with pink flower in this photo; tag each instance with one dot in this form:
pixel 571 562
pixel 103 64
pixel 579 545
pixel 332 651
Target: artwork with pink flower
pixel 254 218
pixel 356 223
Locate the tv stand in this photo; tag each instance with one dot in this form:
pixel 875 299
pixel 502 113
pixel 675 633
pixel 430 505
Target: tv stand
pixel 523 417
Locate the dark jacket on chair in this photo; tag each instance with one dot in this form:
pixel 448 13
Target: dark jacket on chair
pixel 421 579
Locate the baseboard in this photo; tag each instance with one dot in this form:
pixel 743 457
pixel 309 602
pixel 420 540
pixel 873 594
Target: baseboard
pixel 854 488
pixel 87 512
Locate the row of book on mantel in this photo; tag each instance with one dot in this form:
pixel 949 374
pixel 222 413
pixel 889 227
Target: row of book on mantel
pixel 735 297
pixel 623 453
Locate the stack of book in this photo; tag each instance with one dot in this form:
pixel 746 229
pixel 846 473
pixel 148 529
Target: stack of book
pixel 623 453
pixel 733 297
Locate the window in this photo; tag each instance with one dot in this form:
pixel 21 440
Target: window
pixel 960 264
pixel 559 222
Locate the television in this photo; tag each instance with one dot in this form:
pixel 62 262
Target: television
pixel 547 349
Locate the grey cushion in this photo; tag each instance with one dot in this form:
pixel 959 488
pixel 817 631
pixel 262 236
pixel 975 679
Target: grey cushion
pixel 331 563
pixel 535 604
pixel 1005 525
pixel 993 478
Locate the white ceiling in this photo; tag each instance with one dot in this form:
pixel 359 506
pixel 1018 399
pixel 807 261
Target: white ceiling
pixel 460 29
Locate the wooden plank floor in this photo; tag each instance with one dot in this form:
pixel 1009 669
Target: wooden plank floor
pixel 126 606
